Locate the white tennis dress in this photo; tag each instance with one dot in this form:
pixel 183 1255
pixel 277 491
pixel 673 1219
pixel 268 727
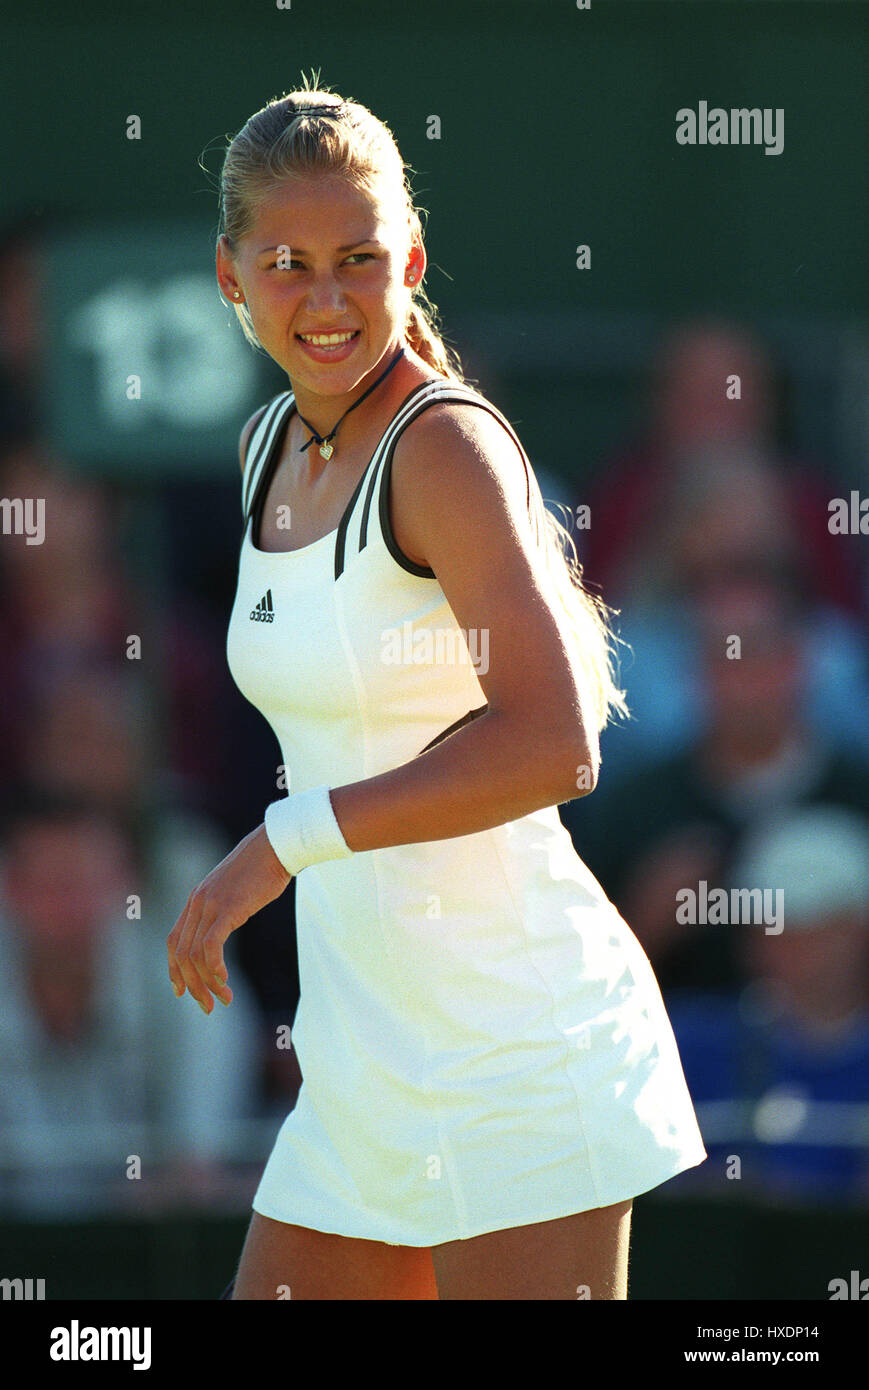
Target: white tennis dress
pixel 482 1040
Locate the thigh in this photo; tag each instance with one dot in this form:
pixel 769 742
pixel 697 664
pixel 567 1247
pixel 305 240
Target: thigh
pixel 284 1261
pixel 577 1257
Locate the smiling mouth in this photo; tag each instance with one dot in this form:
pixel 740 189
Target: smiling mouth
pixel 325 341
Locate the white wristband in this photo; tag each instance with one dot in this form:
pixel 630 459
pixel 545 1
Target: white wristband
pixel 302 830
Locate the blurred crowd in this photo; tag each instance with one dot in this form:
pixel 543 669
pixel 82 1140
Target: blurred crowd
pixel 745 765
pixel 730 824
pixel 122 788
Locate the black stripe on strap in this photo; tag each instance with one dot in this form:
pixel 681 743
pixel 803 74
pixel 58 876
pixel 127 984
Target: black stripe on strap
pixel 276 435
pixel 451 394
pixel 371 467
pixel 266 425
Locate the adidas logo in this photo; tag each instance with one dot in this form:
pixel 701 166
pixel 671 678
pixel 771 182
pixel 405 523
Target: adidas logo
pixel 264 612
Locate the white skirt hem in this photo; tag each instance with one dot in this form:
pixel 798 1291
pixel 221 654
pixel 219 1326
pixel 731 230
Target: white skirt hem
pixel 366 1228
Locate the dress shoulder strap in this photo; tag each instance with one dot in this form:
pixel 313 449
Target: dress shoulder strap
pixel 260 446
pixel 353 533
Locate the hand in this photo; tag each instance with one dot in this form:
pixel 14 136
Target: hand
pixel 243 882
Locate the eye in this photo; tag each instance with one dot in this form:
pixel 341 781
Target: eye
pixel 356 255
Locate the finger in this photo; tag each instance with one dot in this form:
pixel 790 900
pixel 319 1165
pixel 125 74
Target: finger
pixel 209 958
pixel 175 974
pixel 200 969
pixel 206 955
pixel 186 952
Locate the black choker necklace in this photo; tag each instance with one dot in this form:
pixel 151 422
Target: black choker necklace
pixel 327 449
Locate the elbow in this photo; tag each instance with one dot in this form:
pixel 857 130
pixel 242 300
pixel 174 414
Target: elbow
pixel 579 769
pixel 579 744
pixel 571 764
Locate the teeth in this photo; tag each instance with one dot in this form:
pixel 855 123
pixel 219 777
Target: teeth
pixel 326 339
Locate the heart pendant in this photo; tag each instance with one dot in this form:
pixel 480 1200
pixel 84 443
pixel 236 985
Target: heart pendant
pixel 326 450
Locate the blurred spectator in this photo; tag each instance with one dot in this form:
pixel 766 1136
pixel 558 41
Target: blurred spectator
pixel 21 321
pixel 725 513
pixel 69 600
pixel 688 408
pixel 780 1071
pixel 92 735
pixel 681 819
pixel 133 735
pixel 98 1059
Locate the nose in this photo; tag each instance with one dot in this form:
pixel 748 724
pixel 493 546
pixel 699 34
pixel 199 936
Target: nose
pixel 325 297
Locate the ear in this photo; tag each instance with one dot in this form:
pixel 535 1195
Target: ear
pixel 417 260
pixel 225 268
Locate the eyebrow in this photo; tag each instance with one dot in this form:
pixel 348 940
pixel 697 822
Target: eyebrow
pixel 297 250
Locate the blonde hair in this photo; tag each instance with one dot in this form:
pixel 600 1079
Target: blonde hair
pixel 276 143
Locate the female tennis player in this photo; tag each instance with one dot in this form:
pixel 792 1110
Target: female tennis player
pixel 489 1073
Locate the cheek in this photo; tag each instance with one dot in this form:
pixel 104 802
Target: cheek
pixel 279 287
pixel 387 280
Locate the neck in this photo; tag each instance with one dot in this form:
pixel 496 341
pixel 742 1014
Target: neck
pixel 322 413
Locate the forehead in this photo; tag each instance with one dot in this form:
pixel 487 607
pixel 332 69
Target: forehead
pixel 325 204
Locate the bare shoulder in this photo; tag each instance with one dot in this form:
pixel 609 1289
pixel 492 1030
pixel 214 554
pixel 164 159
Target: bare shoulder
pixel 456 468
pixel 247 430
pixel 460 508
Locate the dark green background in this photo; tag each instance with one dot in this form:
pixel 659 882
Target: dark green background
pixel 558 128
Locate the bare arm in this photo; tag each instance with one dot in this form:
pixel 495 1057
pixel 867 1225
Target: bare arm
pixel 459 504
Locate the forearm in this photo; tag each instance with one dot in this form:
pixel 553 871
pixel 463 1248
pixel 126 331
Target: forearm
pixel 493 770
